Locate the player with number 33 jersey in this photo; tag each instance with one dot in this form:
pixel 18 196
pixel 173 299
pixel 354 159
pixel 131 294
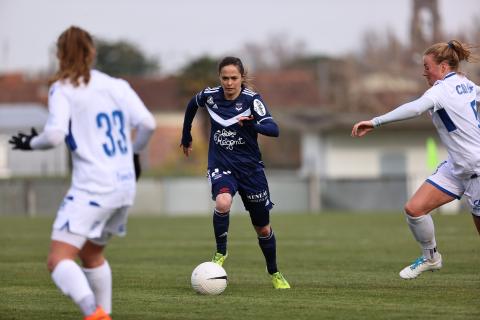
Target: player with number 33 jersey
pixel 94 114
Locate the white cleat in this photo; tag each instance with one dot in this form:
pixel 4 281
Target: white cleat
pixel 421 265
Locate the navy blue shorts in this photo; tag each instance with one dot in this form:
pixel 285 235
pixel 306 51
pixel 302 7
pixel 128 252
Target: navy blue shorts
pixel 253 190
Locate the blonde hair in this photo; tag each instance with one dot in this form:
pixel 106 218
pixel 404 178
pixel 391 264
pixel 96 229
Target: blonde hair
pixel 452 52
pixel 75 53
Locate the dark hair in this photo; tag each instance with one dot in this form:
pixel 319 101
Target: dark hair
pixel 234 61
pixel 75 53
pixel 452 52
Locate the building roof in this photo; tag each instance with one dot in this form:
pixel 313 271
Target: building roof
pixel 314 120
pixel 15 87
pixel 158 94
pixel 288 88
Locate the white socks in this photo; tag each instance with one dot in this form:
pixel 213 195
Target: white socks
pixel 424 232
pixel 71 280
pixel 87 288
pixel 100 280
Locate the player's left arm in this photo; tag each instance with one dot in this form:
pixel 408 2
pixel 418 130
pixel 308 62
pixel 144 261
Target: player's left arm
pixel 142 120
pixel 261 120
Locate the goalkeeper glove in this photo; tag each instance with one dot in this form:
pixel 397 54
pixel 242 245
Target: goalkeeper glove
pixel 21 141
pixel 136 164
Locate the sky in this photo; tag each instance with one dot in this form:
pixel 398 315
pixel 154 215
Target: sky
pixel 177 31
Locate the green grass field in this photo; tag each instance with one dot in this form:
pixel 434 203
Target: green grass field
pixel 340 266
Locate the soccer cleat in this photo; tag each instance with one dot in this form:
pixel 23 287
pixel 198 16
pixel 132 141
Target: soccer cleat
pixel 420 265
pixel 99 314
pixel 219 258
pixel 279 282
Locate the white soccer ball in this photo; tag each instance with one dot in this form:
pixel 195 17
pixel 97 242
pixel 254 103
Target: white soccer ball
pixel 209 278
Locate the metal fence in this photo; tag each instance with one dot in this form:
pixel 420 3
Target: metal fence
pixel 188 196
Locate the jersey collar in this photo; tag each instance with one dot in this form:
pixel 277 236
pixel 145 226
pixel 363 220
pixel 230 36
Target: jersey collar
pixel 449 75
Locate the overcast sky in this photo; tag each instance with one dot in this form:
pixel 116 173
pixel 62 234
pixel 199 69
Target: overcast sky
pixel 176 31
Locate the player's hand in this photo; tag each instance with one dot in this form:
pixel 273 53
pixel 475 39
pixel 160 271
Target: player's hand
pixel 137 166
pixel 186 149
pixel 362 128
pixel 245 121
pixel 21 141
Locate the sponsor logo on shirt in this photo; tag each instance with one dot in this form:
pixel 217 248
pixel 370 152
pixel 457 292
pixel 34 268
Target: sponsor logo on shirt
pixel 258 197
pixel 210 100
pixel 123 176
pixel 476 204
pixel 227 139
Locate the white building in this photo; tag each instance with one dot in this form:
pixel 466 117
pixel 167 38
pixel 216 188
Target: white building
pixel 22 117
pixel 377 172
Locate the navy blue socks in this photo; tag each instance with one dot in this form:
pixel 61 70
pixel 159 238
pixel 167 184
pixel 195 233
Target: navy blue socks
pixel 221 222
pixel 269 249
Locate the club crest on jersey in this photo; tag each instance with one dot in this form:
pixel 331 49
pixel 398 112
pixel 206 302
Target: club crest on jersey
pixel 210 100
pixel 259 107
pixel 238 106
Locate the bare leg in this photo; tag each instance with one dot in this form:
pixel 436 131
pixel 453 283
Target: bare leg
pixel 91 255
pixel 426 199
pixel 476 220
pixel 60 251
pixel 69 277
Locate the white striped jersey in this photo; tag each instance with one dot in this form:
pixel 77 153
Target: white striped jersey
pixel 97 119
pixel 456 119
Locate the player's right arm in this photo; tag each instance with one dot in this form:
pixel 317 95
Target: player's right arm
pixel 190 112
pixel 405 111
pixel 58 120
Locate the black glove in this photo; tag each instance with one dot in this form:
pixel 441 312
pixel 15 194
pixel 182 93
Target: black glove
pixel 136 164
pixel 22 141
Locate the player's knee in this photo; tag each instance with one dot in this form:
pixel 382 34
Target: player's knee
pixel 91 255
pixel 52 261
pixel 413 210
pixel 263 231
pixel 223 202
pixel 92 261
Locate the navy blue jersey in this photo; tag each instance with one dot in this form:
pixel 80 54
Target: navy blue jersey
pixel 234 147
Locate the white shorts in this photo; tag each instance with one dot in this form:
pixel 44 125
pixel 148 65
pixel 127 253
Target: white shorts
pixel 80 219
pixel 444 180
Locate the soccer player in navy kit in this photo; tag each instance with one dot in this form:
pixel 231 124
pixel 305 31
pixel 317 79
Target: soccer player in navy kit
pixel 237 116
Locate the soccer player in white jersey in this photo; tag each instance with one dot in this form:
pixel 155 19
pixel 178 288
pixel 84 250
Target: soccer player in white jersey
pixel 94 113
pixel 452 103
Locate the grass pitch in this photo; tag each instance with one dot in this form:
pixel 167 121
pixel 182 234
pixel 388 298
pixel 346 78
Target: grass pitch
pixel 340 266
